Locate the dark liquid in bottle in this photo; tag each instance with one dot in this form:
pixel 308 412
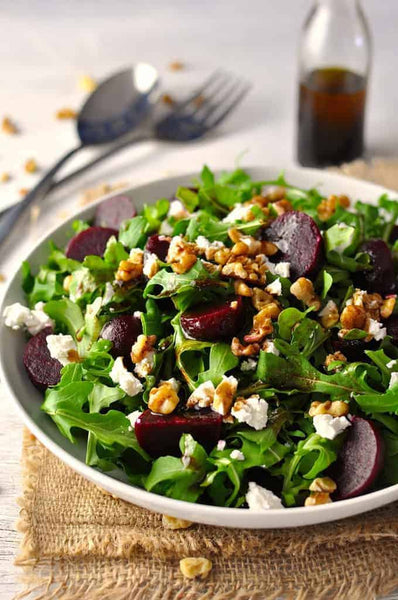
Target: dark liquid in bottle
pixel 331 117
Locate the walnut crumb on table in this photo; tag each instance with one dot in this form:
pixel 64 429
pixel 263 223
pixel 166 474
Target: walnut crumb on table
pixel 176 65
pixel 167 99
pixel 23 191
pixel 2 278
pixel 65 113
pixel 192 567
pixel 175 523
pixel 8 126
pixel 4 177
pixel 91 194
pixel 31 166
pixel 87 83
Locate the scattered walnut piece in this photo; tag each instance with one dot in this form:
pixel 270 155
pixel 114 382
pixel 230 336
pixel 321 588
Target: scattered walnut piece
pixel 316 498
pixel 176 65
pixel 320 490
pixel 23 191
pixel 337 408
pixel 336 356
pixel 175 523
pixel 132 268
pixel 327 207
pixel 8 126
pixel 238 349
pixel 282 206
pixel 142 347
pixel 193 567
pixel 353 317
pixel 181 255
pixel 163 399
pixel 5 177
pixel 65 113
pixel 224 395
pixel 262 326
pixel 91 194
pixel 329 315
pixel 2 278
pixel 241 289
pixel 303 290
pixel 387 307
pixel 168 100
pixel 87 83
pixel 31 166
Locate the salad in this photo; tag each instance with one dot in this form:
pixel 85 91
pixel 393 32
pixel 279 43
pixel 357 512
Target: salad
pixel 236 345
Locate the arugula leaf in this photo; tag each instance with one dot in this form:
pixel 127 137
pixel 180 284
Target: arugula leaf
pixel 132 232
pixel 221 360
pixel 66 314
pixel 155 213
pixel 342 238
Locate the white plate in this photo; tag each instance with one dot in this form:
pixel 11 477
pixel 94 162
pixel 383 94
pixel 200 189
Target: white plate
pixel 28 400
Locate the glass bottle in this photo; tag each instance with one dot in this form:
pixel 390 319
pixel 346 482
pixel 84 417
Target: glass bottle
pixel 335 56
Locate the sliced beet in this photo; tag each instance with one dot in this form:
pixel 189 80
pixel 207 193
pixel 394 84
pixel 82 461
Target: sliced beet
pixel 354 350
pixel 113 211
pixel 122 331
pixel 380 278
pixel 159 245
pixel 43 370
pixel 360 459
pixel 90 241
pixel 160 435
pixel 300 242
pixel 215 321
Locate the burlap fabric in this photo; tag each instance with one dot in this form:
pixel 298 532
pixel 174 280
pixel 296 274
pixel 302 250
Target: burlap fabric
pixel 80 543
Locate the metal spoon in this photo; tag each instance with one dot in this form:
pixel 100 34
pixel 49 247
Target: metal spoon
pixel 113 110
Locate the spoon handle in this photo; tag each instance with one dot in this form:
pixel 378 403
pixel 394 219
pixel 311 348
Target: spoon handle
pixel 9 219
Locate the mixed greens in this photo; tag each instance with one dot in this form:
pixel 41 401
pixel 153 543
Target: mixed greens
pixel 304 352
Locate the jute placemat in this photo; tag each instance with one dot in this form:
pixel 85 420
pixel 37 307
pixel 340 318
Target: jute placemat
pixel 80 543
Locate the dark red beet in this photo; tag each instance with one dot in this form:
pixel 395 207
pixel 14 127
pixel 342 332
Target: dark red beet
pixel 360 459
pixel 160 435
pixel 300 242
pixel 353 350
pixel 122 331
pixel 113 211
pixel 43 370
pixel 90 241
pixel 381 278
pixel 159 245
pixel 215 321
pixel 392 328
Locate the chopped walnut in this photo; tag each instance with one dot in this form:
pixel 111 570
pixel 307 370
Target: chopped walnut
pixel 316 498
pixel 251 270
pixel 262 326
pixel 142 347
pixel 176 65
pixel 282 206
pixel 132 268
pixel 261 298
pixel 181 255
pixel 23 191
pixel 303 290
pixel 65 113
pixel 2 278
pixel 175 523
pixel 336 356
pixel 163 399
pixel 195 567
pixel 353 317
pixel 5 177
pixel 8 126
pixel 323 484
pixel 224 395
pixel 387 307
pixel 241 289
pixel 329 315
pixel 337 408
pixel 87 83
pixel 30 166
pixel 327 206
pixel 248 245
pixel 238 349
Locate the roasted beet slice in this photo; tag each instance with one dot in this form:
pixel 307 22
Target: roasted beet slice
pixel 113 211
pixel 381 278
pixel 43 370
pixel 300 242
pixel 122 331
pixel 354 350
pixel 90 241
pixel 159 435
pixel 159 245
pixel 215 321
pixel 360 459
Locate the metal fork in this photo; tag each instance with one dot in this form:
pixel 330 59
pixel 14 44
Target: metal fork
pixel 188 120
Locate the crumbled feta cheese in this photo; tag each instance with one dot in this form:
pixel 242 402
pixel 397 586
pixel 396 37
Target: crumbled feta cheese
pixel 150 264
pixel 259 498
pixel 126 380
pixel 18 316
pixel 177 210
pixel 204 244
pixel 275 287
pixel 224 394
pixel 252 410
pixel 145 366
pixel 221 445
pixel 329 427
pixel 269 346
pixel 108 294
pixel 132 417
pixel 137 314
pixel 238 213
pixel 61 347
pixel 377 330
pixel 329 308
pixel 248 365
pixel 391 364
pixel 393 380
pixel 82 282
pixel 203 396
pixel 237 455
pixel 283 269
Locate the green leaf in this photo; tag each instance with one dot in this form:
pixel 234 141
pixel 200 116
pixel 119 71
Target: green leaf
pixel 66 314
pixel 188 197
pixel 287 319
pixel 132 232
pixel 221 360
pixel 342 239
pixel 156 213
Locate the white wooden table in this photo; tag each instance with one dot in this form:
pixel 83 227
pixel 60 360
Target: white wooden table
pixel 46 45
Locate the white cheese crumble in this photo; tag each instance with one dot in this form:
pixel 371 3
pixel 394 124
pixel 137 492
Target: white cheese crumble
pixel 173 382
pixel 275 287
pixel 177 210
pixel 238 213
pixel 259 498
pixel 18 316
pixel 252 410
pixel 203 396
pixel 269 346
pixel 126 380
pixel 377 330
pixel 237 455
pixel 145 366
pixel 137 314
pixel 282 269
pixel 393 380
pixel 204 244
pixel 391 364
pixel 108 294
pixel 248 365
pixel 132 417
pixel 150 264
pixel 329 308
pixel 329 427
pixel 250 242
pixel 60 347
pixel 221 445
